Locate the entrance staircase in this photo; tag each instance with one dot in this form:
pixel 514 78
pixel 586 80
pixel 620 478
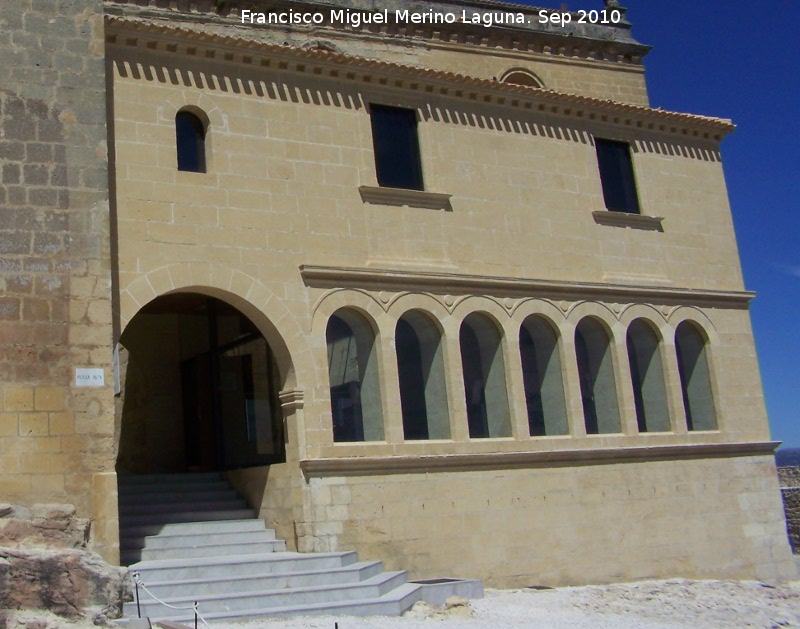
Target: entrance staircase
pixel 191 538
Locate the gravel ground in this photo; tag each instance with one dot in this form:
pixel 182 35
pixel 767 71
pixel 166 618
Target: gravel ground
pixel 669 604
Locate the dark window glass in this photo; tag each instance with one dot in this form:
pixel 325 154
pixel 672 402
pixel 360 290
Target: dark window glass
pixel 698 400
pixel 190 136
pixel 616 176
pixel 394 137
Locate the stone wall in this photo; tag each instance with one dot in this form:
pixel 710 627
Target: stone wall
pixel 790 488
pixel 56 440
pixel 556 526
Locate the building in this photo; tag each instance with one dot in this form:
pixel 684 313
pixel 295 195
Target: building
pixel 449 294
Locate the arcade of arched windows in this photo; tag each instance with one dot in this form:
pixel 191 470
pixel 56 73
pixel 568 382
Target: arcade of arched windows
pixel 480 372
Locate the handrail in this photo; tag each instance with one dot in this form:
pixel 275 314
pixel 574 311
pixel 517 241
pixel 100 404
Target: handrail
pixel 137 580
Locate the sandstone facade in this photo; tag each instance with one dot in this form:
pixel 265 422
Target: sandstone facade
pixel 583 403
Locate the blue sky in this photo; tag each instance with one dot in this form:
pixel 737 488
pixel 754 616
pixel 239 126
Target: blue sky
pixel 741 60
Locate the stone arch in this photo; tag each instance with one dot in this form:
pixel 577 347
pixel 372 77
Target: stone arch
pixel 243 292
pixel 521 76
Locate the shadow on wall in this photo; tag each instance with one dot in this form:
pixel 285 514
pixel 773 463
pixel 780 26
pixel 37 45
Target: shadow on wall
pixel 319 90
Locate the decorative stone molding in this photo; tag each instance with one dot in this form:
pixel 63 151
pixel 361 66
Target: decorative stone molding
pixel 459 284
pixel 291 400
pixel 122 33
pixel 400 197
pixel 381 465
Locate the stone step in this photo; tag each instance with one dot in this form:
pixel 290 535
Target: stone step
pixel 173 495
pixel 242 603
pixel 392 603
pixel 214 549
pixel 203 539
pixel 144 520
pixel 187 478
pixel 266 581
pixel 181 529
pixel 182 505
pixel 240 565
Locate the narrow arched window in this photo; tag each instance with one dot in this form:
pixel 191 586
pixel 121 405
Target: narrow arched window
pixel 520 76
pixel 596 371
pixel 698 400
pixel 190 139
pixel 420 369
pixel 647 378
pixel 541 375
pixel 354 379
pixel 484 378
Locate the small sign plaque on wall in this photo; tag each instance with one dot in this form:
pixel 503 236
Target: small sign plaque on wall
pixel 88 377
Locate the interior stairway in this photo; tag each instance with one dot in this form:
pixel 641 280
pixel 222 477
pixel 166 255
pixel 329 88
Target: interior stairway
pixel 191 538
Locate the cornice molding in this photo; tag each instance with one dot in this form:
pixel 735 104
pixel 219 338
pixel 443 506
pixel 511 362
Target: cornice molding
pixel 597 44
pixel 455 283
pixel 163 38
pixel 374 466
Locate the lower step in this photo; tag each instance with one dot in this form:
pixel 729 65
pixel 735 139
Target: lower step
pixel 372 588
pixel 393 603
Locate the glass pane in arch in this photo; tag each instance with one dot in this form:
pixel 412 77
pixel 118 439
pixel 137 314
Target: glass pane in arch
pixel 647 378
pixel 484 378
pixel 698 399
pixel 420 369
pixel 541 375
pixel 354 379
pixel 598 385
pixel 190 138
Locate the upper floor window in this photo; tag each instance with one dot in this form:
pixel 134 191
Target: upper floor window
pixel 616 176
pixel 394 137
pixel 190 139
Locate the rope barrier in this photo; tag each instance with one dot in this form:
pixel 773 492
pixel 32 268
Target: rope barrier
pixel 137 579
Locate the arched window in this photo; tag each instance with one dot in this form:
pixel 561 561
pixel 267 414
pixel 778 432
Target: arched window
pixel 647 377
pixel 354 378
pixel 541 374
pixel 698 400
pixel 420 369
pixel 484 378
pixel 596 371
pixel 190 139
pixel 521 76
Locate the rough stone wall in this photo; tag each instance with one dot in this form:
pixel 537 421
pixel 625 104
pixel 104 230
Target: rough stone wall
pixel 55 264
pixel 790 488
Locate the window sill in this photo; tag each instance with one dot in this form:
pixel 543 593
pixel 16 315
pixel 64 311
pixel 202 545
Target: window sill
pixel 623 219
pixel 400 197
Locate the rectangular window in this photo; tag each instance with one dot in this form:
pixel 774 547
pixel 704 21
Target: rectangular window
pixel 616 176
pixel 394 137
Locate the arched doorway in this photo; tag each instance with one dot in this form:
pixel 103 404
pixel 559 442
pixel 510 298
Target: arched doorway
pixel 199 389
